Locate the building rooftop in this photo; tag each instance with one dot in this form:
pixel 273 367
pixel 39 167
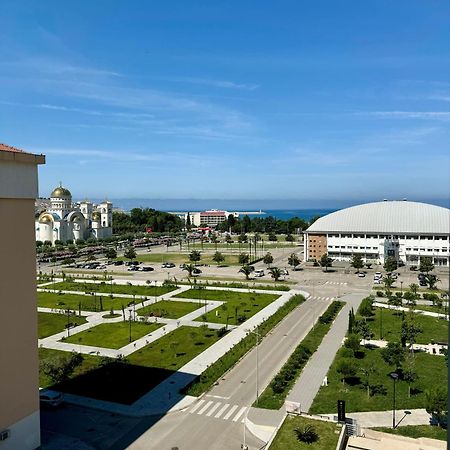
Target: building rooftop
pixel 8 152
pixel 390 217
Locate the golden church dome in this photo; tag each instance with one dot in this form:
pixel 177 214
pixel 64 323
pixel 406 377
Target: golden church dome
pixel 60 192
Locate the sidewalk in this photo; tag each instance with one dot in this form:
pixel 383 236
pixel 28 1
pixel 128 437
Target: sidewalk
pixel 310 380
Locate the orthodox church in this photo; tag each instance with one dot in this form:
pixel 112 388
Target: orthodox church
pixel 65 221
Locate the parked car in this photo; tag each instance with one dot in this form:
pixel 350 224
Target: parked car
pixel 146 269
pixel 50 398
pixel 196 271
pixel 118 263
pixel 422 283
pixel 284 272
pixel 258 273
pixel 361 274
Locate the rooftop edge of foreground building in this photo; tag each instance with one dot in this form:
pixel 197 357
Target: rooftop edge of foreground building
pixel 19 387
pixel 402 229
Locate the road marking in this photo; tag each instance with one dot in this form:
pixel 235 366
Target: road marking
pixel 210 412
pixel 197 406
pixel 205 407
pixel 218 396
pixel 239 414
pixel 230 412
pixel 222 410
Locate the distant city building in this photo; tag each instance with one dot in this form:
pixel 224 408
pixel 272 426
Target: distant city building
pixel 405 230
pixel 65 221
pixel 19 366
pixel 210 218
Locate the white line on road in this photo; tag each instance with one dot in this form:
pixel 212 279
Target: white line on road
pixel 218 396
pixel 197 406
pixel 239 414
pixel 210 412
pixel 224 407
pixel 205 407
pixel 230 412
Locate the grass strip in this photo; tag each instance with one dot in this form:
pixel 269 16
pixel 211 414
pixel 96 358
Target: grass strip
pixel 229 359
pixel 416 431
pixel 274 395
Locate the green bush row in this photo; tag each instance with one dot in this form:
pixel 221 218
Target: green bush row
pixel 329 315
pixel 203 382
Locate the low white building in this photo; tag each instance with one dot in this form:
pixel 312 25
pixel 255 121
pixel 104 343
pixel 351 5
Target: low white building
pixel 405 230
pixel 210 217
pixel 65 221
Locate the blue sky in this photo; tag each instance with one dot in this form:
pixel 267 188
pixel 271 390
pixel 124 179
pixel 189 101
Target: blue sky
pixel 295 100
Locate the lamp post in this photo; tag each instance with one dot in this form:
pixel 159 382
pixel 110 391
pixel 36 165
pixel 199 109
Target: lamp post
pixel 257 364
pixel 394 376
pixel 401 287
pixel 129 320
pixel 155 291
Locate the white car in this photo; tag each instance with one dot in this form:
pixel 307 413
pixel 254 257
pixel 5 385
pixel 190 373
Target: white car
pixel 258 273
pixel 50 398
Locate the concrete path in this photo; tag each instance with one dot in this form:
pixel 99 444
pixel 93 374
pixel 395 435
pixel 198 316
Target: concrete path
pixel 318 365
pixel 384 418
pixel 406 309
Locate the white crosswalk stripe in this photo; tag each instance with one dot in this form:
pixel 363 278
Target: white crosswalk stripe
pixel 218 410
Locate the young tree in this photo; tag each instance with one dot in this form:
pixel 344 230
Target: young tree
pixel 244 258
pixel 218 258
pixel 347 368
pixel 61 368
pixel 409 332
pixel 366 307
pixel 393 354
pixel 130 253
pixel 351 321
pixel 388 281
pixel 357 262
pixel 189 268
pixel 111 253
pixel 409 373
pixel 426 264
pixel 353 342
pixel 367 372
pixel 436 402
pixel 293 260
pixel 390 264
pixel 326 261
pixel 194 256
pixel 289 238
pixel 268 259
pixel 188 221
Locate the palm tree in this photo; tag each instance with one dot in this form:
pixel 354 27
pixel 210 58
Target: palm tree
pixel 275 273
pixel 189 268
pixel 246 270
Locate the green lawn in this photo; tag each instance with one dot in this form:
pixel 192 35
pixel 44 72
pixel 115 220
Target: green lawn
pixel 417 431
pixel 242 284
pixel 108 288
pixel 126 381
pixel 183 258
pixel 238 306
pixel 286 438
pixel 49 323
pixel 169 309
pixel 83 302
pixel 429 369
pixel 275 400
pixel 432 327
pixel 112 335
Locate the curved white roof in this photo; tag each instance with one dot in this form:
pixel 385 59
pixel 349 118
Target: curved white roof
pixel 392 217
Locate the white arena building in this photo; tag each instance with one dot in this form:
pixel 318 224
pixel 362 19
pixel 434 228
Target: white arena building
pixel 65 221
pixel 403 229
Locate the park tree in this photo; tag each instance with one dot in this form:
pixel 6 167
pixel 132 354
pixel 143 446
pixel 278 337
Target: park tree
pixel 244 258
pixel 363 329
pixel 289 238
pixel 366 307
pixel 130 253
pixel 390 264
pixel 242 238
pixel 231 222
pixel 60 369
pixel 357 262
pixel 326 261
pixel 194 256
pixel 409 373
pixel 246 270
pixel 426 264
pixel 228 239
pixel 367 372
pixel 275 273
pixel 347 368
pixel 188 221
pixel 393 354
pixel 353 342
pixel 268 259
pixel 351 321
pixel 246 224
pixel 218 258
pixel 272 237
pixel 436 402
pixel 293 260
pixel 111 253
pixel 388 281
pixel 409 332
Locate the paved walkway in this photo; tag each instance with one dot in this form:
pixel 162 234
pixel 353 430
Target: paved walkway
pixel 406 309
pixel 310 380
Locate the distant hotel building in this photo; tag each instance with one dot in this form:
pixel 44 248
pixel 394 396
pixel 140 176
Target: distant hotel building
pixel 64 221
pixel 19 366
pixel 209 218
pixel 405 230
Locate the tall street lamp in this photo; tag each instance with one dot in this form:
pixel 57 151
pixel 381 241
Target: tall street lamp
pixel 129 320
pixel 394 376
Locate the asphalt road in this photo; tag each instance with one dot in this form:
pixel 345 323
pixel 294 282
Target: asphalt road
pixel 203 426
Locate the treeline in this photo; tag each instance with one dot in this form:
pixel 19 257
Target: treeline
pixel 138 220
pixel 268 224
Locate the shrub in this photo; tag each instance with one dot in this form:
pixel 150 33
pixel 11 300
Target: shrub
pixel 399 295
pixel 380 294
pixel 307 434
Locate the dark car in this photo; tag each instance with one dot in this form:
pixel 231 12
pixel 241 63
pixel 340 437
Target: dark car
pixel 118 263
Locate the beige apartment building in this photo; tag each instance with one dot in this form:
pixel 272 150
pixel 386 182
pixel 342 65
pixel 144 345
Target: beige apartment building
pixel 19 388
